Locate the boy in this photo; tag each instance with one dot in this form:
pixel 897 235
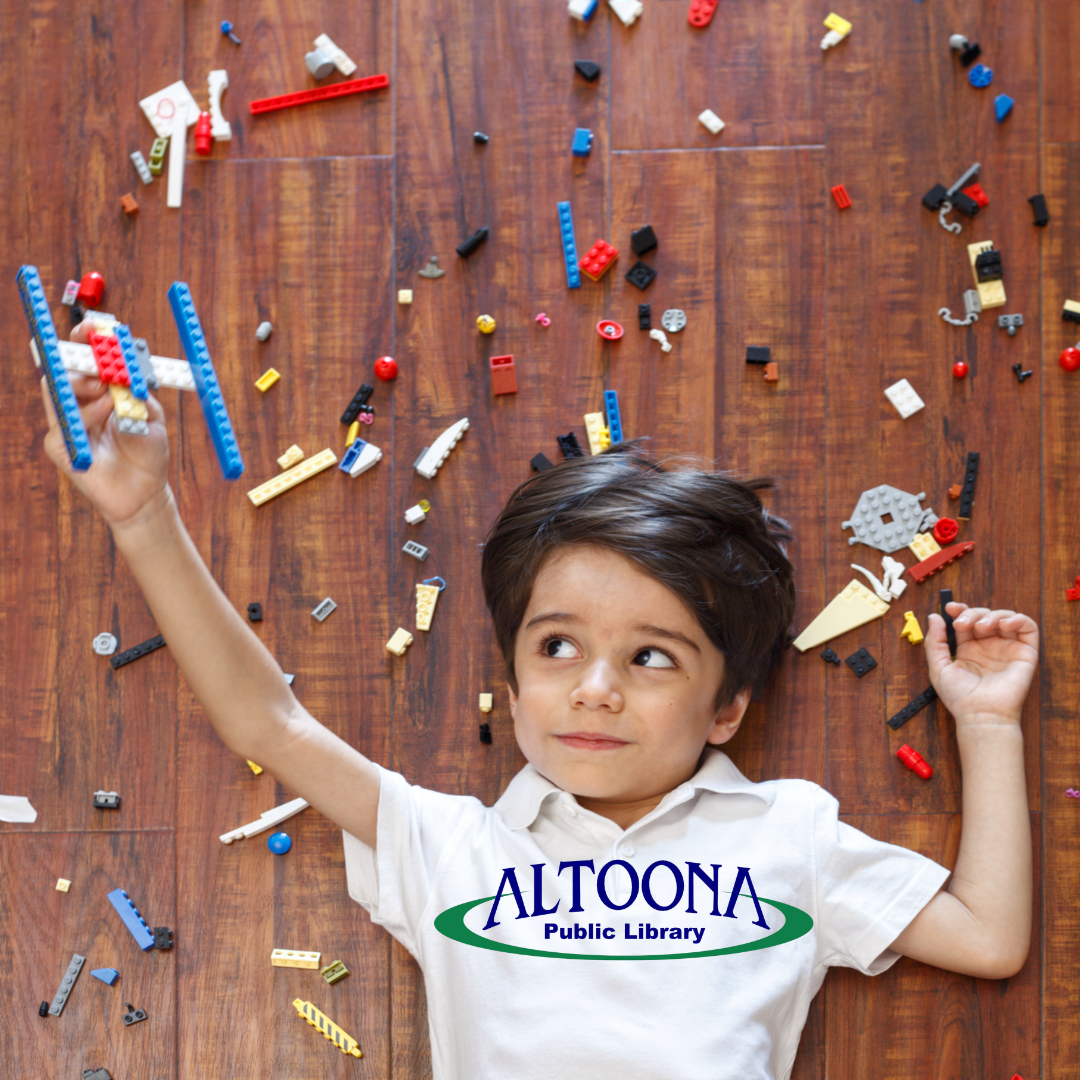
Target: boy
pixel 632 905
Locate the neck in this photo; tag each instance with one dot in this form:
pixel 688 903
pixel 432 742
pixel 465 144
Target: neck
pixel 623 812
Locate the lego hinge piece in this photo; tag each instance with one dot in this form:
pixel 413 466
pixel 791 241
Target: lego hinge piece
pixel 267 819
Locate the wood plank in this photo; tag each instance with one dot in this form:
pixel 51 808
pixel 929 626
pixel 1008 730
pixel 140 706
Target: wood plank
pixel 1059 23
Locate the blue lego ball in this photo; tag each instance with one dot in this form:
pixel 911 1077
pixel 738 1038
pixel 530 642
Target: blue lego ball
pixel 980 75
pixel 279 843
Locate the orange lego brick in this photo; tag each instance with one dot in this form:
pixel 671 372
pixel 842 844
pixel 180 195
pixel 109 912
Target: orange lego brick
pixel 503 376
pixel 129 204
pixel 843 199
pixel 772 373
pixel 598 260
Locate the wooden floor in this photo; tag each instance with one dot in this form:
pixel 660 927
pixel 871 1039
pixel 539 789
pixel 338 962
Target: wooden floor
pixel 313 218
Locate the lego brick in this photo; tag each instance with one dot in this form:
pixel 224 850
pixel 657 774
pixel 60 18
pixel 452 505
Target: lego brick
pixel 111 368
pixel 66 984
pixel 710 120
pixel 291 457
pixel 758 354
pixel 673 320
pixel 426 598
pixel 868 518
pixel 853 607
pixel 129 204
pixel 319 63
pixel 360 457
pixel 566 232
pixel 933 199
pixel 131 918
pixel 485 734
pixel 912 630
pixel 254 612
pixel 834 22
pixel 643 240
pixel 614 421
pixel 96 1074
pixel 291 477
pixel 177 153
pixel 830 657
pixel 267 379
pixel 133 1015
pixel 132 416
pixel 904 398
pixel 582 10
pixel 1070 311
pixel 582 144
pixel 345 1043
pixel 627 11
pixel 1003 105
pixel 71 291
pixel 400 641
pixel 641 275
pixel 107 975
pixel 701 12
pixel 63 885
pixel 206 382
pixel 964 203
pixel 337 55
pixel 106 800
pixel 644 317
pixel 257 769
pixel 415 514
pixel 405 296
pixel 321 93
pixel 967 493
pixel 47 342
pixel 970 54
pixel 843 199
pixel 503 376
pixel 217 83
pixel 1038 208
pixel 922 570
pixel 161 108
pixel 861 662
pixel 598 260
pixel 976 192
pixel 141 167
pixel 361 397
pixel 334 972
pixel 471 243
pixel 136 376
pixel 569 445
pixel 417 551
pixel 988 266
pixel 157 154
pixel 429 462
pixel 772 372
pixel 914 706
pixel 594 424
pixel 324 609
pixel 352 434
pixel 587 69
pixel 485 703
pixel 136 651
pixel 945 596
pixel 267 819
pixel 295 959
pixel 541 463
pixel 991 293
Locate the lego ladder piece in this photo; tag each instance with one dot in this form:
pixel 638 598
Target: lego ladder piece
pixel 855 606
pixel 321 93
pixel 912 707
pixel 345 1043
pixel 426 597
pixel 129 913
pixel 206 382
pixel 566 230
pixel 47 342
pixel 66 984
pixel 267 820
pixel 217 82
pixel 921 571
pixel 429 462
pixel 614 421
pixel 967 494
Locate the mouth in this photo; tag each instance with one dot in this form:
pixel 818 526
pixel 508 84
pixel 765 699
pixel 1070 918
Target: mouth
pixel 590 740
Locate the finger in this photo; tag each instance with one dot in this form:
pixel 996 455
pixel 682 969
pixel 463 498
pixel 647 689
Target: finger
pixel 81 333
pixel 86 387
pixel 967 616
pixel 936 645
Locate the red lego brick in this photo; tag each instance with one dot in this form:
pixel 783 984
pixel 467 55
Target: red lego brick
pixel 976 192
pixel 701 12
pixel 110 360
pixel 843 199
pixel 91 289
pixel 503 377
pixel 321 93
pixel 1073 592
pixel 921 571
pixel 203 139
pixel 598 260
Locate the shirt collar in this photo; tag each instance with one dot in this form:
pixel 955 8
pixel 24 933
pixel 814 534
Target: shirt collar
pixel 520 803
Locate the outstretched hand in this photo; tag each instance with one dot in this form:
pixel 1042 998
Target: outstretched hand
pixel 996 654
pixel 129 474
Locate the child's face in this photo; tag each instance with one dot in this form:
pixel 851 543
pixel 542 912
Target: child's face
pixel 617 681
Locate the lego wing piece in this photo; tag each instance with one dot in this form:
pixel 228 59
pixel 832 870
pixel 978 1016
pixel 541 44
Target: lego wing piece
pixel 431 459
pixel 853 607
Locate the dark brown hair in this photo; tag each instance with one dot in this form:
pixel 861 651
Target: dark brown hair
pixel 705 535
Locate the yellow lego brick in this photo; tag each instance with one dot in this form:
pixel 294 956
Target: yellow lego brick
pixel 594 424
pixel 62 885
pixel 855 606
pixel 293 456
pixel 126 405
pixel 293 958
pixel 401 640
pixel 345 1043
pixel 991 294
pixel 353 434
pixel 426 597
pixel 923 546
pixel 912 630
pixel 283 481
pixel 485 703
pixel 256 769
pixel 841 26
pixel 264 382
pixel 404 296
pixel 1073 308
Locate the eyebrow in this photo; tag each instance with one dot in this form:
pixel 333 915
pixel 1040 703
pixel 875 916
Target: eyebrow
pixel 641 628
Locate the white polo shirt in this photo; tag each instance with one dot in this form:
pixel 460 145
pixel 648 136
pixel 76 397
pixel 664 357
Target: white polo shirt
pixel 634 960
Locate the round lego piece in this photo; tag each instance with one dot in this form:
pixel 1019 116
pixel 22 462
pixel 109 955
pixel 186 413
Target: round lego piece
pixel 673 320
pixel 543 319
pixel 485 324
pixel 104 644
pixel 945 530
pixel 263 331
pixel 424 505
pixel 386 368
pixel 91 289
pixel 319 63
pixel 980 75
pixel 609 330
pixel 959 369
pixel 279 843
pixel 958 41
pixel 1070 359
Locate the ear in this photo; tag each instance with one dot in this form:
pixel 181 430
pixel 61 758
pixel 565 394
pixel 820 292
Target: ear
pixel 513 701
pixel 727 720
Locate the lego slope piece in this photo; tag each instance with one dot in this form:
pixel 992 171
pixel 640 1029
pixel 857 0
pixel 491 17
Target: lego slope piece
pixel 627 11
pixel 47 345
pixel 107 975
pixel 941 558
pixel 132 919
pixel 431 459
pixel 321 93
pixel 206 383
pixel 68 981
pixel 360 457
pixel 161 108
pixel 855 606
pixel 345 1043
pixel 566 231
pixel 217 83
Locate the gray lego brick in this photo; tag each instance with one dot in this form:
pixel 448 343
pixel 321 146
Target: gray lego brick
pixel 66 984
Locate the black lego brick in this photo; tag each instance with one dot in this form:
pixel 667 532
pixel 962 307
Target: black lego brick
pixel 967 493
pixel 644 317
pixel 912 707
pixel 643 239
pixel 945 597
pixel 485 734
pixel 359 398
pixel 569 445
pixel 964 203
pixel 861 662
pixel 589 70
pixel 830 657
pixel 933 199
pixel 1038 208
pixel 541 464
pixel 970 54
pixel 120 659
pixel 641 274
pixel 758 354
pixel 255 612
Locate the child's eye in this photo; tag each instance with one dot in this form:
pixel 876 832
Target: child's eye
pixel 654 658
pixel 558 648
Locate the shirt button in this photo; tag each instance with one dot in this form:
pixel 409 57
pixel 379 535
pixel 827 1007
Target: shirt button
pixel 627 850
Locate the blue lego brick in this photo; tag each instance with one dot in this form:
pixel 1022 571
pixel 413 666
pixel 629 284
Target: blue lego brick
pixel 566 228
pixel 132 919
pixel 582 143
pixel 348 459
pixel 48 346
pixel 107 975
pixel 1002 106
pixel 206 383
pixel 614 421
pixel 135 371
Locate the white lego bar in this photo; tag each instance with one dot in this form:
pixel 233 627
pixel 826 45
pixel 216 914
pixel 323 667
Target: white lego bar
pixel 177 153
pixel 267 820
pixel 217 82
pixel 171 373
pixel 341 61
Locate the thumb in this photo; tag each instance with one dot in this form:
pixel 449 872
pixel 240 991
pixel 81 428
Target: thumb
pixel 936 645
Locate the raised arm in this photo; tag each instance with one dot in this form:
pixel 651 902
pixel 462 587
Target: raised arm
pixel 981 924
pixel 238 683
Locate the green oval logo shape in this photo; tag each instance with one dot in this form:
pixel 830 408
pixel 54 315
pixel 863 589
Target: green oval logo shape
pixel 451 923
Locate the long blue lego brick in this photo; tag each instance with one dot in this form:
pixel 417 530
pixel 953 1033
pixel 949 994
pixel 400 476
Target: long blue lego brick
pixel 206 383
pixel 135 371
pixel 566 231
pixel 614 421
pixel 48 346
pixel 132 919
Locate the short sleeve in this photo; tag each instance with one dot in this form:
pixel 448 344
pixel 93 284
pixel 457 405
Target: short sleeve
pixel 416 828
pixel 867 891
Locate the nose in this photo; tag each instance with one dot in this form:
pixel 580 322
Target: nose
pixel 598 688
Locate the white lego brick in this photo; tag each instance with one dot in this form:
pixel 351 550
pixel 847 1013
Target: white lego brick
pixel 162 107
pixel 295 958
pixel 341 61
pixel 437 453
pixel 581 9
pixel 141 167
pixel 414 515
pixel 217 82
pixel 904 398
pixel 324 609
pixel 628 11
pixel 711 121
pixel 177 153
pixel 267 820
